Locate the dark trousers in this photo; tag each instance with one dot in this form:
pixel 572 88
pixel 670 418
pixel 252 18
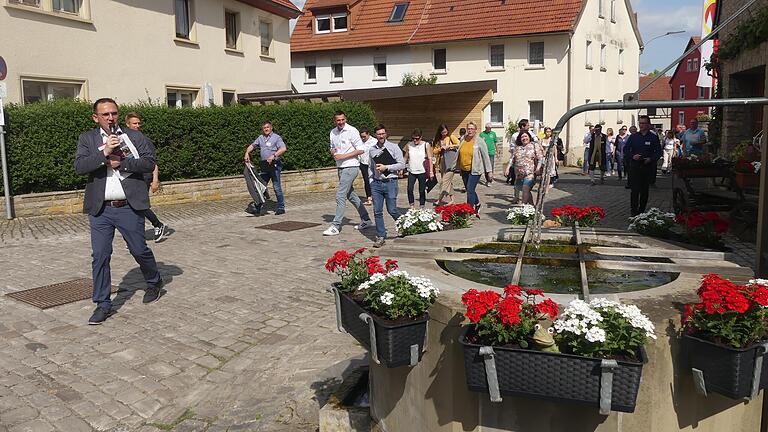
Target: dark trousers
pixel 149 214
pixel 366 182
pixel 640 178
pixel 422 178
pixel 130 223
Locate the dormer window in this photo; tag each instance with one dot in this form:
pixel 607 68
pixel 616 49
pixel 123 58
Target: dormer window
pixel 336 22
pixel 398 12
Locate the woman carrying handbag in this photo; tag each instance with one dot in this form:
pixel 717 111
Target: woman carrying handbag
pixel 416 156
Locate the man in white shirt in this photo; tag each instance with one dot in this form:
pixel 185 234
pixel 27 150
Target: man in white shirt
pixel 345 148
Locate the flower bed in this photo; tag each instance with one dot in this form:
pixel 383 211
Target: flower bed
pixel 521 214
pixel 703 229
pixel 567 215
pixel 378 301
pixel 458 215
pixel 654 223
pixel 704 165
pixel 418 221
pixel 726 335
pixel 513 347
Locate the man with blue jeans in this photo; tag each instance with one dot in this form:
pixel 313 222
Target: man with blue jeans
pixel 346 146
pixel 271 147
pixel 384 182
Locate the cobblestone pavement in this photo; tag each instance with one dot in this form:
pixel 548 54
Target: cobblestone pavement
pixel 244 338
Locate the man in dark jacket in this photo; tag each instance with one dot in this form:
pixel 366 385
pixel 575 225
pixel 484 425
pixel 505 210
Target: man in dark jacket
pixel 115 161
pixel 642 152
pixel 598 143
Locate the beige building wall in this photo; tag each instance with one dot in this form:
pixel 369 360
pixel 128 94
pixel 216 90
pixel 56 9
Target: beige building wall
pixel 128 49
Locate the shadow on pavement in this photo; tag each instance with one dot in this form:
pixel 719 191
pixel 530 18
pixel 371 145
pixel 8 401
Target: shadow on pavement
pixel 134 279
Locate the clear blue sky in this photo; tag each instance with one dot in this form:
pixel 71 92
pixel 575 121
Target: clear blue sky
pixel 657 17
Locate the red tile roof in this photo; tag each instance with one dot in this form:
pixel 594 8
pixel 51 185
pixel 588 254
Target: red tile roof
pixel 283 8
pixel 430 21
pixel 659 90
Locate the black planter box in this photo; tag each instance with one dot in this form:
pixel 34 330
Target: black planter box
pixel 393 341
pixel 727 371
pixel 552 376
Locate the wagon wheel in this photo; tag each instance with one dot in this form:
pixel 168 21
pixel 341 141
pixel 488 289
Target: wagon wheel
pixel 679 201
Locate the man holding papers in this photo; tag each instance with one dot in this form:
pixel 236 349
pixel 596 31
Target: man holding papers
pixel 386 159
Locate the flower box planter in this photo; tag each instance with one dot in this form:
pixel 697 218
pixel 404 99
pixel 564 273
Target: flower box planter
pixel 397 344
pixel 700 171
pixel 728 371
pixel 611 385
pixel 746 180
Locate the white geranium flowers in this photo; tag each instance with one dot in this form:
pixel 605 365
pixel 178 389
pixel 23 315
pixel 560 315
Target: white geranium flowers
pixel 418 221
pixel 521 215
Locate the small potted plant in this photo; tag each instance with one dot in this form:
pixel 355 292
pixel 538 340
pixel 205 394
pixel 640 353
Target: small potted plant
pixel 457 215
pixel 378 301
pixel 653 223
pixel 703 229
pixel 703 165
pixel 418 221
pixel 568 360
pixel 726 335
pixel 521 214
pixel 747 174
pixel 567 215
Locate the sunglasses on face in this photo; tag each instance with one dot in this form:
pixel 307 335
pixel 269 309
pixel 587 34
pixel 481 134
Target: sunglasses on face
pixel 107 114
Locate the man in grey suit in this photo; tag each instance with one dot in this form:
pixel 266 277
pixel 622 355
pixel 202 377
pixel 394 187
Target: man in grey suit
pixel 115 161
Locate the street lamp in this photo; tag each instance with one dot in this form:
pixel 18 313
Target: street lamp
pixel 662 35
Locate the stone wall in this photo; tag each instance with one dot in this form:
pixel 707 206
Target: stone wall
pixel 177 192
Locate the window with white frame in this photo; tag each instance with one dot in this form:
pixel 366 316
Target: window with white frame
pixel 438 59
pixel 681 117
pixel 600 9
pixel 232 29
pixel 589 55
pixel 265 34
pixel 310 72
pixel 67 8
pixel 379 68
pixel 328 23
pixel 536 111
pixel 40 90
pixel 536 53
pixel 689 65
pixel 682 92
pixel 228 97
pixel 497 112
pixel 337 71
pixel 695 65
pixel 398 12
pixel 701 92
pixel 603 57
pixel 181 97
pixel 184 19
pixel 323 24
pixel 621 61
pixel 586 115
pixel 496 56
pixel 613 10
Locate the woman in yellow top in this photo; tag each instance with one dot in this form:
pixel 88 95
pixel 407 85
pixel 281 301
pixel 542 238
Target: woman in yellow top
pixel 446 147
pixel 473 161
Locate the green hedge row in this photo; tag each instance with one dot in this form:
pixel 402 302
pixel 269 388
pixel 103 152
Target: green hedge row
pixel 191 143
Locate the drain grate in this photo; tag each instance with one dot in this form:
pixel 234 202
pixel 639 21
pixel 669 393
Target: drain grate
pixel 58 294
pixel 288 226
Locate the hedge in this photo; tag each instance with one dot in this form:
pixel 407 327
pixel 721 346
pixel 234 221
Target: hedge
pixel 191 143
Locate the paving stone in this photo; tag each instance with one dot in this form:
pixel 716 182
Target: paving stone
pixel 19 415
pixel 146 407
pixel 33 426
pixel 55 412
pixel 208 361
pixel 191 426
pixel 73 424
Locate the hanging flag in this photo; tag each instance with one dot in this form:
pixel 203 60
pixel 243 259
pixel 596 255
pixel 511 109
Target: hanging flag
pixel 707 24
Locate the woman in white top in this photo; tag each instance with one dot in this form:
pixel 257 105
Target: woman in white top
pixel 416 151
pixel 610 149
pixel 671 145
pixel 368 142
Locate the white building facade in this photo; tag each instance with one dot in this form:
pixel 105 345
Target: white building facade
pixel 539 76
pixel 180 52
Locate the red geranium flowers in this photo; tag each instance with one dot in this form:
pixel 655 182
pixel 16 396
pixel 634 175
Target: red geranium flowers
pixel 354 268
pixel 457 215
pixel 509 318
pixel 704 229
pixel 728 313
pixel 585 216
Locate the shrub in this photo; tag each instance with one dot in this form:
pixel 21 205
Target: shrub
pixel 191 142
pixel 410 80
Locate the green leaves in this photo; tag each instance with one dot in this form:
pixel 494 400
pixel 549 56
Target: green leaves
pixel 191 142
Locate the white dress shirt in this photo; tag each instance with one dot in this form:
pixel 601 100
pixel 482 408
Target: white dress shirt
pixel 113 189
pixel 344 141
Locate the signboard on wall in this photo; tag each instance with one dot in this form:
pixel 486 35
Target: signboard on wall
pixel 3 69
